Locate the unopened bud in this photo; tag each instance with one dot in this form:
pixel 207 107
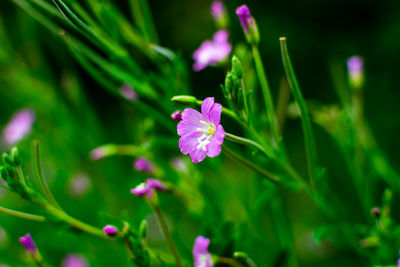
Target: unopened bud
pixel 15 156
pixel 184 100
pixel 237 68
pixel 143 229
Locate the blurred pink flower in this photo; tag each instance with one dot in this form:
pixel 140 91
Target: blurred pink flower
pixel 28 243
pixel 75 260
pixel 144 165
pixel 212 52
pixel 19 126
pixel 128 92
pixel 201 256
pixel 148 188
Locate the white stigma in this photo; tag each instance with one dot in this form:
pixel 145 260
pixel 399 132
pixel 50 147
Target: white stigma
pixel 208 133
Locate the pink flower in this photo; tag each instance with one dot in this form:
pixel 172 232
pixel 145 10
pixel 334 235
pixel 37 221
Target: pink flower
pixel 201 134
pixel 148 188
pixel 28 243
pixel 75 260
pixel 245 18
pixel 110 230
pixel 19 126
pixel 202 258
pixel 212 52
pixel 144 165
pixel 217 10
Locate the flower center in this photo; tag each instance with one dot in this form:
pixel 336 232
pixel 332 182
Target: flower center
pixel 208 132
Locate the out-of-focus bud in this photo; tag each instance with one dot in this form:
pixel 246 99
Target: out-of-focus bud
pixel 110 230
pixel 248 24
pixel 355 68
pixel 28 243
pixel 176 115
pixel 218 12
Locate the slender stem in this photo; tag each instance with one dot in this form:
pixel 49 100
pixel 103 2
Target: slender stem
pixel 305 118
pixel 23 215
pixel 273 124
pixel 167 234
pixel 128 246
pixel 245 141
pixel 250 165
pixel 229 261
pixel 40 175
pixel 74 223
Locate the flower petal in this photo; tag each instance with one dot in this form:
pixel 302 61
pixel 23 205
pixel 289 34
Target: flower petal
pixel 219 135
pixel 214 115
pixel 207 105
pixel 190 122
pixel 197 155
pixel 189 142
pixel 214 147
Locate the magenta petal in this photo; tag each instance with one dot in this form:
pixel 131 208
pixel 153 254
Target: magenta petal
pixel 214 115
pixel 156 184
pixel 140 190
pixel 213 149
pixel 186 127
pixel 200 245
pixel 221 37
pixel 197 155
pixel 207 105
pixel 188 142
pixel 192 115
pixel 219 135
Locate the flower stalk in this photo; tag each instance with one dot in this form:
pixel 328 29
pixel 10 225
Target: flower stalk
pixel 305 118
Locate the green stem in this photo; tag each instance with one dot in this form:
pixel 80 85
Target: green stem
pixel 168 236
pixel 248 142
pixel 250 165
pixel 40 175
pixel 273 124
pixel 245 100
pixel 74 223
pixel 305 118
pixel 23 215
